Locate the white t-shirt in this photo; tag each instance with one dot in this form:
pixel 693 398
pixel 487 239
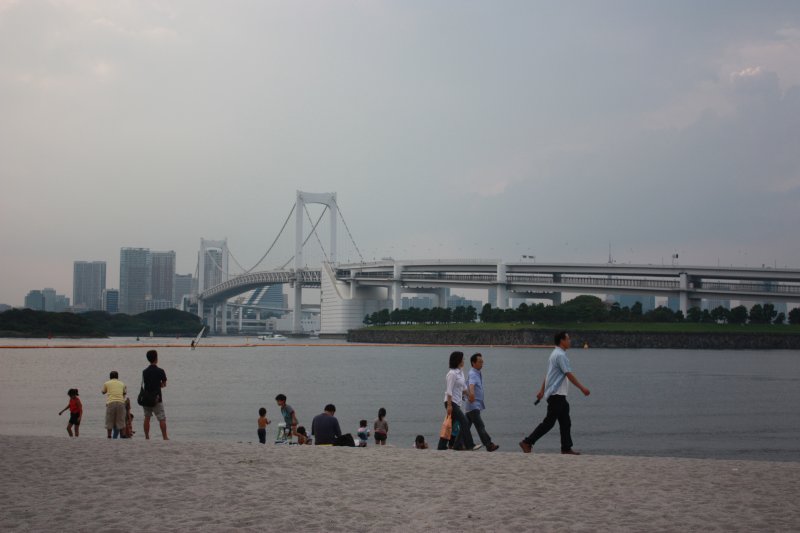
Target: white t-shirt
pixel 455 385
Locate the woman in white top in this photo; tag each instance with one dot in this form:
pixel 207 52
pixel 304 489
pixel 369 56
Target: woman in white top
pixel 453 398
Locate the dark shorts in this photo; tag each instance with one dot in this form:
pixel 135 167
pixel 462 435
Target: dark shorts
pixel 262 435
pixel 380 437
pixel 75 419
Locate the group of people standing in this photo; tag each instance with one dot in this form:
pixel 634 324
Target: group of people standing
pixel 119 418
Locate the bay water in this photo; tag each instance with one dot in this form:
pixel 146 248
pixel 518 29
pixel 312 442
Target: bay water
pixel 678 403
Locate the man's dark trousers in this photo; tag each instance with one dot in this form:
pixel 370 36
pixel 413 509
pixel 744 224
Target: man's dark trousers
pixel 557 410
pixel 474 419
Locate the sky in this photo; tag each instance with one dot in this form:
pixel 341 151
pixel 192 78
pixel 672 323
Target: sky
pixel 448 129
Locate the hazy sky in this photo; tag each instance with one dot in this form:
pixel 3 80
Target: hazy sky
pixel 448 129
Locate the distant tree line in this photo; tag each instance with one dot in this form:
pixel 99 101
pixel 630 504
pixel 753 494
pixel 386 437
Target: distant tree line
pixel 583 309
pixel 30 323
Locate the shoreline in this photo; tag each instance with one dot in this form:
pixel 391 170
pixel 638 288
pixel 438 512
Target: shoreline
pixel 88 484
pixel 591 339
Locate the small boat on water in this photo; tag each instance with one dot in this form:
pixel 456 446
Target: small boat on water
pixel 271 337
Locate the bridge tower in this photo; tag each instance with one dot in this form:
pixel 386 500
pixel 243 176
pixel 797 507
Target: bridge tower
pixel 328 199
pixel 212 269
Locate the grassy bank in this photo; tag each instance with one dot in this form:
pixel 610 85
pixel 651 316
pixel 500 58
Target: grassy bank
pixel 621 327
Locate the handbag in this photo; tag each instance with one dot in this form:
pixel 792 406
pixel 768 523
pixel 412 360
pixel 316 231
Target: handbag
pixel 147 398
pixel 447 428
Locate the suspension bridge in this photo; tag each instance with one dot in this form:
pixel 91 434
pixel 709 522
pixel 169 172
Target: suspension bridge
pixel 349 291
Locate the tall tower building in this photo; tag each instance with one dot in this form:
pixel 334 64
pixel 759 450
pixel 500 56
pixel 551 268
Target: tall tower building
pixel 134 279
pixel 162 275
pixel 88 283
pixel 111 301
pixel 182 286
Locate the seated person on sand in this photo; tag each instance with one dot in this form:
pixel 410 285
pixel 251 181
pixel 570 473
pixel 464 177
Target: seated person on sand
pixel 325 426
pixel 302 436
pixel 420 444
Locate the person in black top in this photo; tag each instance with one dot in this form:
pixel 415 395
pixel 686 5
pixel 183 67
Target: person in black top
pixel 325 426
pixel 154 379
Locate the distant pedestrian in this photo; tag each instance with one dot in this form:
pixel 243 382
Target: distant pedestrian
pixel 155 379
pixel 475 402
pixel 75 412
pixel 116 391
pixel 288 414
pixel 362 434
pixel 554 389
pixel 381 427
pixel 262 425
pixel 455 389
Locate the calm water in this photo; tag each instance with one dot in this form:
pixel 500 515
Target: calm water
pixel 708 404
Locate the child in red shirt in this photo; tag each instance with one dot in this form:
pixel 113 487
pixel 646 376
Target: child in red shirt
pixel 75 412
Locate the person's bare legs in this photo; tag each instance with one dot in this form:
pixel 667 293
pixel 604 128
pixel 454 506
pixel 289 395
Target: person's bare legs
pixel 163 425
pixel 147 427
pixel 77 430
pixel 69 429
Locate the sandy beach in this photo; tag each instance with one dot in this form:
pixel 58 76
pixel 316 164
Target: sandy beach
pixel 91 484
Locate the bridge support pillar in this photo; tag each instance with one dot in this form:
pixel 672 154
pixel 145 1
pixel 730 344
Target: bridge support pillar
pixel 441 297
pixel 396 290
pixel 297 326
pixel 241 314
pixel 200 309
pixel 684 294
pixel 502 289
pixel 213 324
pixel 224 312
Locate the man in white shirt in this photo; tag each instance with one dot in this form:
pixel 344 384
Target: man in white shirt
pixel 554 389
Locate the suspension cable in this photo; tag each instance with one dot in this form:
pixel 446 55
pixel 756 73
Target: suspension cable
pixel 271 246
pixel 314 231
pixel 348 231
pixel 307 237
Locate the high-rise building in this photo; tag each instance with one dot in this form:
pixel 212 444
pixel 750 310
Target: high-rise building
pixel 155 305
pixel 134 279
pixel 88 283
pixel 111 301
pixel 162 275
pixel 49 296
pixel 181 286
pixel 34 300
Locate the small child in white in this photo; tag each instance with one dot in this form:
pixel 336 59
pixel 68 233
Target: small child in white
pixel 363 434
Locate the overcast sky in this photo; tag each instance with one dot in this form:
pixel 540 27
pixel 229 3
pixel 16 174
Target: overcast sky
pixel 448 129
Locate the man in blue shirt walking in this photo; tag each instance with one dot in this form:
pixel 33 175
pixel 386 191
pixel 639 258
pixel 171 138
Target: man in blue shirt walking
pixel 475 404
pixel 554 389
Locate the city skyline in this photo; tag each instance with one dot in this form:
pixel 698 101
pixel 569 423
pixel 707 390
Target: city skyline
pixel 447 130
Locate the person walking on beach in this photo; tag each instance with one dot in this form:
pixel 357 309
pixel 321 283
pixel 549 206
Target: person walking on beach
pixel 75 412
pixel 475 402
pixel 381 428
pixel 288 414
pixel 455 388
pixel 325 427
pixel 115 404
pixel 262 425
pixel 154 379
pixel 554 389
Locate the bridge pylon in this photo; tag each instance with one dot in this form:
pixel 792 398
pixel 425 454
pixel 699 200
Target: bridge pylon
pixel 328 199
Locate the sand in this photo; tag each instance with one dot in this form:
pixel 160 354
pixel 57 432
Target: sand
pixel 91 484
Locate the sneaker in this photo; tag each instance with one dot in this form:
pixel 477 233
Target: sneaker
pixel 477 447
pixel 570 452
pixel 526 447
pixel 492 447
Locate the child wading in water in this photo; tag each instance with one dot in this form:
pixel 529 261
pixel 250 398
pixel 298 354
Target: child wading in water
pixel 381 427
pixel 75 412
pixel 262 425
